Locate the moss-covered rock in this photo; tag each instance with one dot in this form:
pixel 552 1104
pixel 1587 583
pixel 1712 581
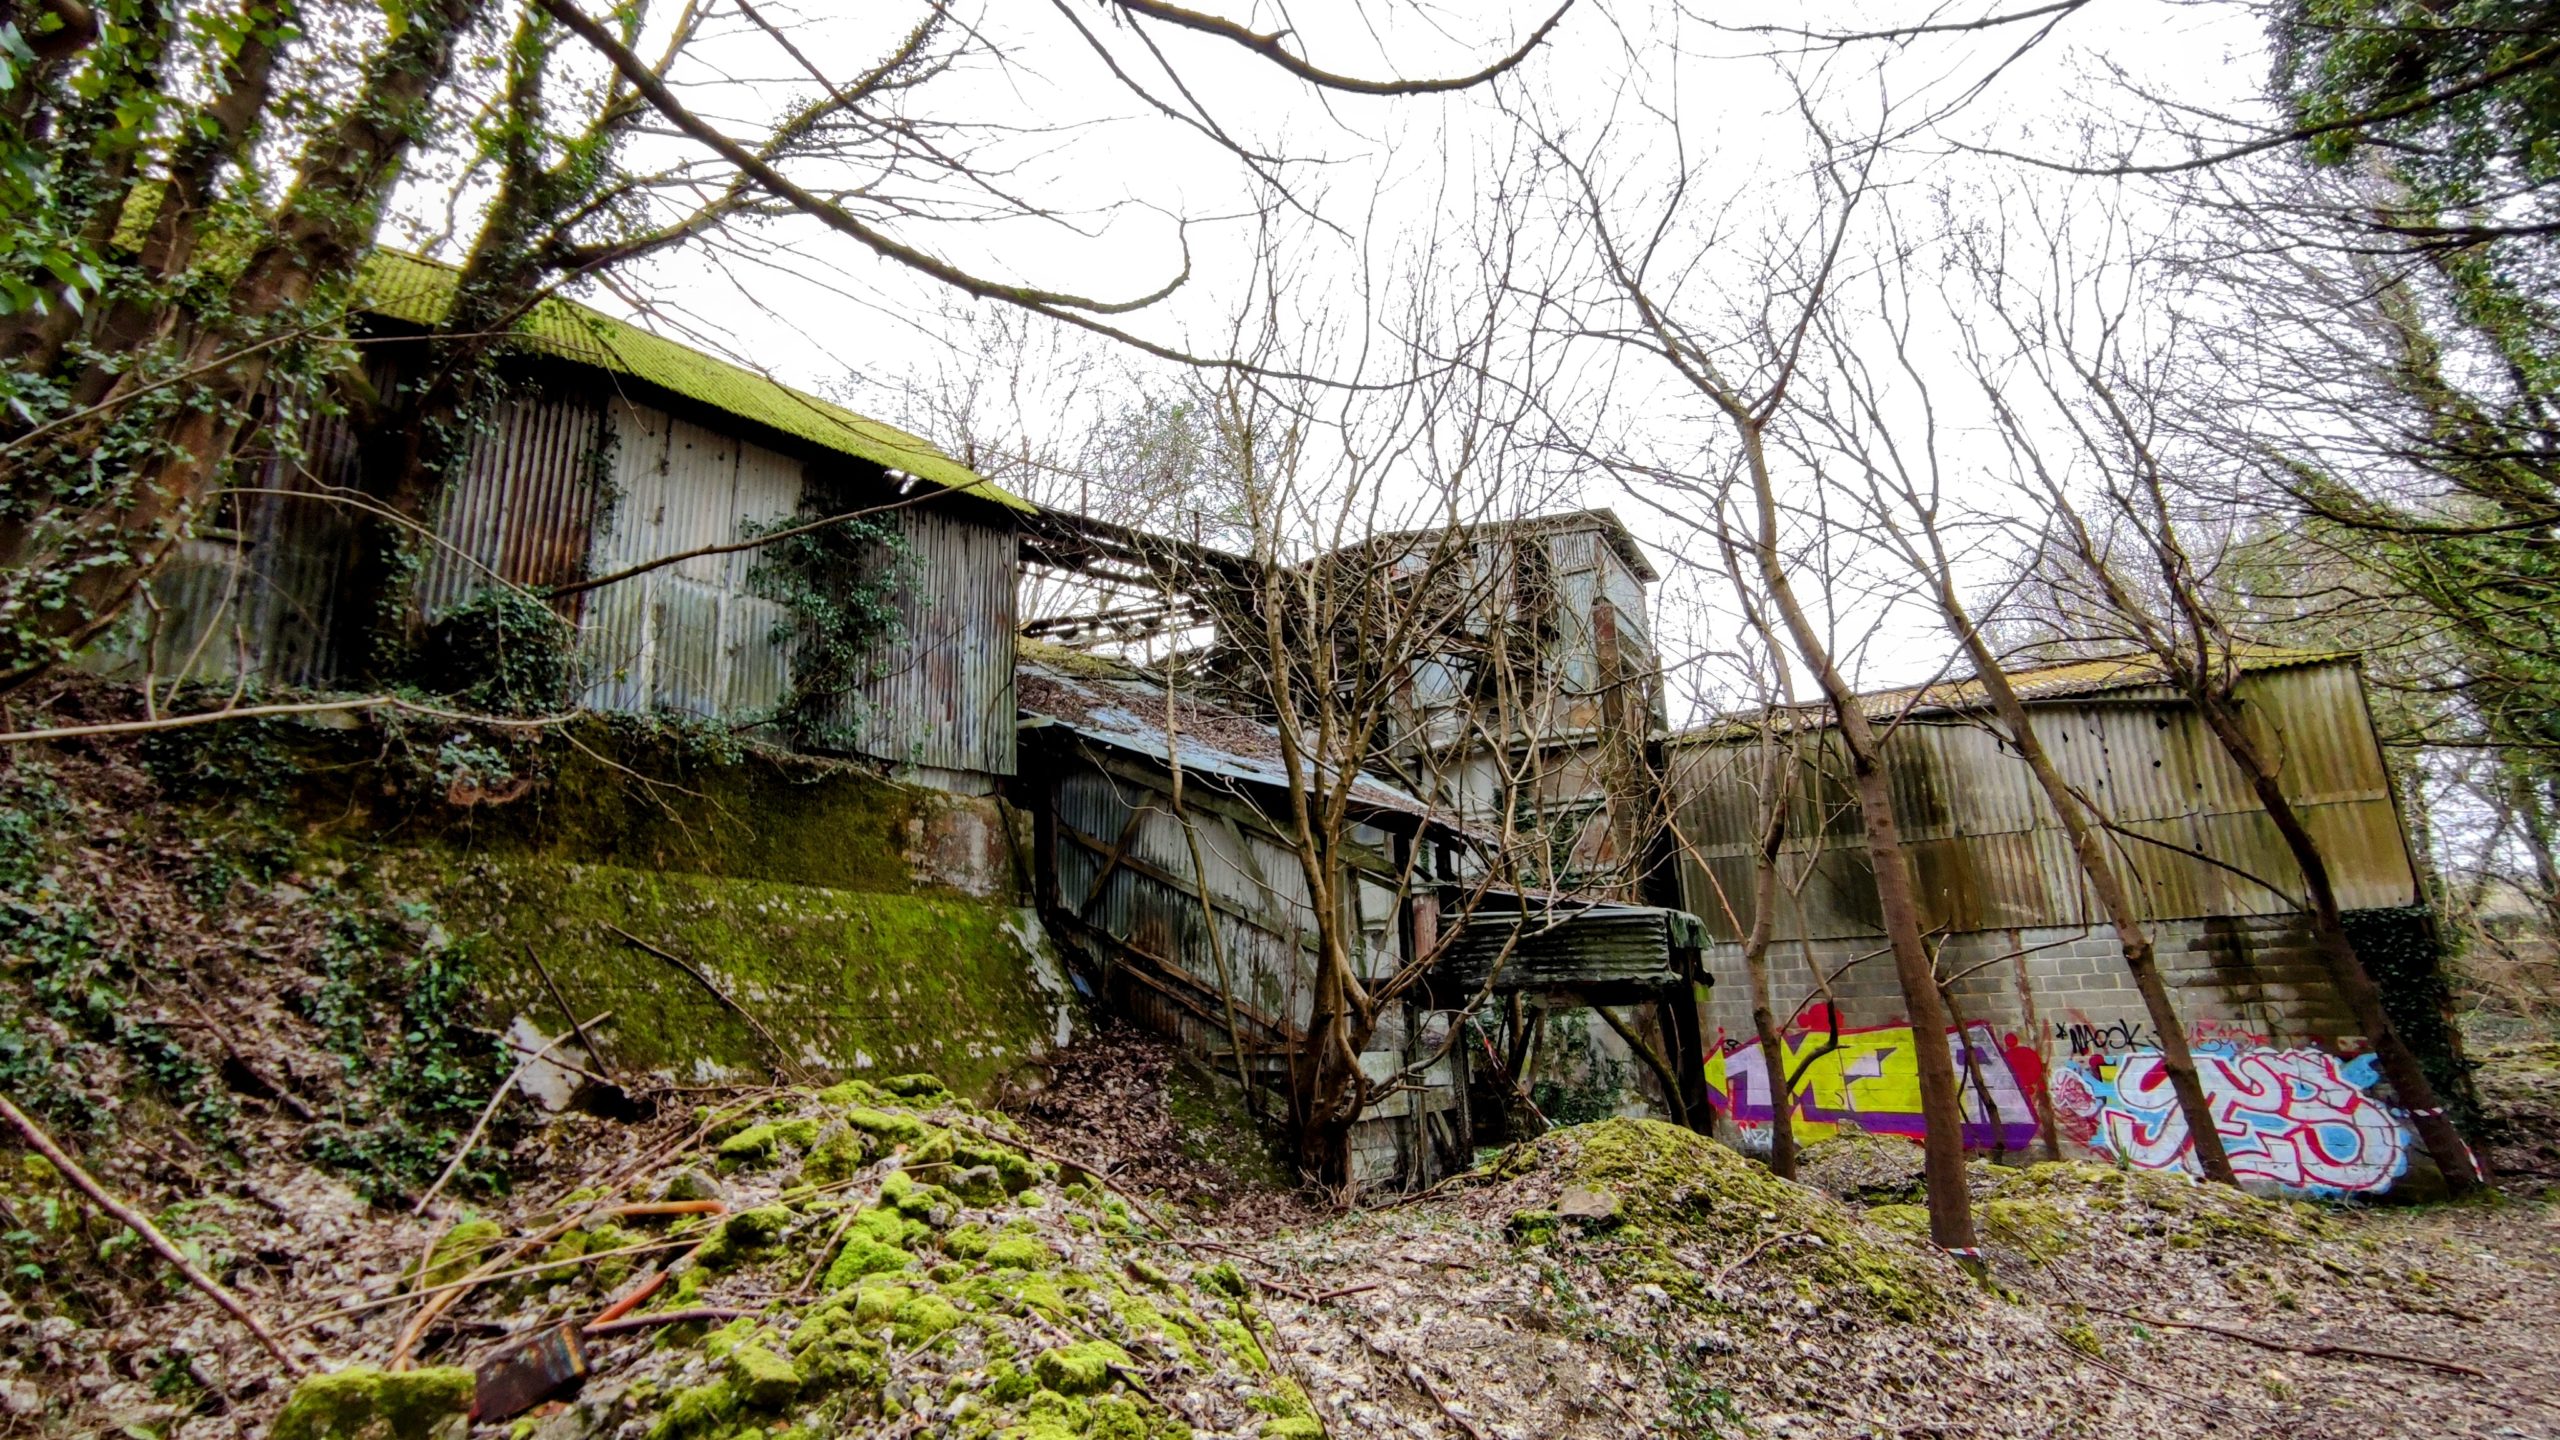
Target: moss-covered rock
pixel 763 1379
pixel 862 1256
pixel 743 1234
pixel 1019 1252
pixel 363 1403
pixel 1079 1369
pixel 461 1250
pixel 1674 1187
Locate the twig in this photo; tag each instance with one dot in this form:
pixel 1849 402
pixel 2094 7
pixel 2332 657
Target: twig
pixel 251 712
pixel 1750 1255
pixel 141 1225
pixel 2315 1348
pixel 827 1252
pixel 781 1057
pixel 662 1317
pixel 566 1013
pixel 481 1125
pixel 1338 1293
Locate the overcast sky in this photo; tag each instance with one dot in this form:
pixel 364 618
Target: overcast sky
pixel 1382 190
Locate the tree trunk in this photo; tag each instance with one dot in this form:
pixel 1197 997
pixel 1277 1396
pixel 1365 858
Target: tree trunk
pixel 2535 814
pixel 1776 775
pixel 1941 1104
pixel 75 572
pixel 2091 849
pixel 2329 934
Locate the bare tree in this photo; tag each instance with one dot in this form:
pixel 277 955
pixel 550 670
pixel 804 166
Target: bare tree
pixel 2137 572
pixel 221 323
pixel 1745 375
pixel 1904 476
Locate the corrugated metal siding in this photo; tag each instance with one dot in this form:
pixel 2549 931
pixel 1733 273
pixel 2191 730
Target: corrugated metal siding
pixel 257 583
pixel 522 510
pixel 1988 854
pixel 692 638
pixel 942 694
pixel 1259 917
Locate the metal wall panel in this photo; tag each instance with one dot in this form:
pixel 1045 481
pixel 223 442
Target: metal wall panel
pixel 941 694
pixel 1988 853
pixel 525 503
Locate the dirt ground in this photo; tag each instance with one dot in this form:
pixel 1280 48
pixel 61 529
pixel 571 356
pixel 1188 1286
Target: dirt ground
pixel 1617 1279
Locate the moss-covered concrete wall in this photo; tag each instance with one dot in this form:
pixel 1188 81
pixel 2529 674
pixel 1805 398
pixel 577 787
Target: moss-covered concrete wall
pixel 867 925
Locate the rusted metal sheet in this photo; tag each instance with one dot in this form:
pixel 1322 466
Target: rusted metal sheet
pixel 550 1366
pixel 695 637
pixel 524 506
pixel 2191 836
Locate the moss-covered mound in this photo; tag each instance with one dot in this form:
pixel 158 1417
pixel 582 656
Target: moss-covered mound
pixel 1672 1208
pixel 884 1253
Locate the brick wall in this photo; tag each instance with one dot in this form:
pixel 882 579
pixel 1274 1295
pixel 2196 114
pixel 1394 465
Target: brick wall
pixel 2062 988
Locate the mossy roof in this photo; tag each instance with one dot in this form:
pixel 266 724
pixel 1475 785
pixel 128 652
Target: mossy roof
pixel 419 291
pixel 2061 680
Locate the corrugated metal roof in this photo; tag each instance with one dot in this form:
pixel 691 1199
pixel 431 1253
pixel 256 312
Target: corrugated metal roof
pixel 419 291
pixel 2061 680
pixel 1115 704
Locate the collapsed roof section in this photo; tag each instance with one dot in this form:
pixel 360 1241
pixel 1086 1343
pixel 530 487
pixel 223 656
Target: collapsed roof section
pixel 1115 704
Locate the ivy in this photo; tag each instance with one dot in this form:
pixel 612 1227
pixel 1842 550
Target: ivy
pixel 840 586
pixel 394 1002
pixel 2401 951
pixel 502 652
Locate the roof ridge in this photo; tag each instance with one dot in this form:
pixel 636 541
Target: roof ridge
pixel 419 289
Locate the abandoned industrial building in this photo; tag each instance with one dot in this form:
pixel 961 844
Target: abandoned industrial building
pixel 1562 880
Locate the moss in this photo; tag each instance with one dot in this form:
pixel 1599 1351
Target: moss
pixel 1007 1385
pixel 1079 1369
pixel 759 1145
pixel 700 1410
pixel 946 978
pixel 1225 1279
pixel 915 1087
pixel 849 1092
pixel 890 1126
pixel 744 1233
pixel 1012 1291
pixel 763 1379
pixel 839 1152
pixel 1241 1346
pixel 923 1318
pixel 1678 1189
pixel 1020 1252
pixel 1292 1427
pixel 890 1227
pixel 862 1256
pixel 2081 1336
pixel 969 1242
pixel 2034 1228
pixel 363 1403
pixel 460 1251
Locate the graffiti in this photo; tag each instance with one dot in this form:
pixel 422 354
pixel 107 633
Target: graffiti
pixel 1872 1081
pixel 2302 1119
pixel 2114 1037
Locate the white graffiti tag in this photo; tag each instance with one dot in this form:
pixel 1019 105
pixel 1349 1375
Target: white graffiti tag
pixel 2300 1118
